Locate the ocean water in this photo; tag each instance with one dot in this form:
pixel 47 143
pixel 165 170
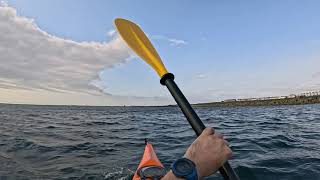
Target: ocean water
pixel 69 142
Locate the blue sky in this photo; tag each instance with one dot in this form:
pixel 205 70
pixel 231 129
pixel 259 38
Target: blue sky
pixel 231 49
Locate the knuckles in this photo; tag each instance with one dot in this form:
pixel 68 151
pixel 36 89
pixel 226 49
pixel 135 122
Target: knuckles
pixel 207 131
pixel 228 153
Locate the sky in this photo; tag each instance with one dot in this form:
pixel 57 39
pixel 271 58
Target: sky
pixel 68 52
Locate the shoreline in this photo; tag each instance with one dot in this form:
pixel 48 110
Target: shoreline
pixel 270 102
pixel 300 100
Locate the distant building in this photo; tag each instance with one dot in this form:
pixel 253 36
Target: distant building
pixel 291 96
pixel 247 99
pixel 311 93
pixel 229 100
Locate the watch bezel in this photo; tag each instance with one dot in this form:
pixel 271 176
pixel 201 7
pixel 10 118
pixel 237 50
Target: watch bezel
pixel 180 174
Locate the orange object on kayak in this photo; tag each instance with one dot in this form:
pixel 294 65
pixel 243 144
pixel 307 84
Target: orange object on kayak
pixel 150 166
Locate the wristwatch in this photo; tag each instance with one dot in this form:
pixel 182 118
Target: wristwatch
pixel 184 168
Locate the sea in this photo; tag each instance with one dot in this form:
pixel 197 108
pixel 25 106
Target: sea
pixel 83 142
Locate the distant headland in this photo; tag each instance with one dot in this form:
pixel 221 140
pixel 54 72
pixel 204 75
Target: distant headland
pixel 312 97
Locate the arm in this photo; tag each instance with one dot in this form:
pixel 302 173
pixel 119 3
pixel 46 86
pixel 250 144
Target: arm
pixel 209 152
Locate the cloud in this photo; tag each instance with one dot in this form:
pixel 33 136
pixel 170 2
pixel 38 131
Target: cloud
pixel 47 97
pixel 177 42
pixel 32 59
pixel 172 41
pixel 111 33
pixel 40 68
pixel 201 76
pixel 3 3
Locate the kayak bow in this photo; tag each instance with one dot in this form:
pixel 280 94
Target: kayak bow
pixel 150 166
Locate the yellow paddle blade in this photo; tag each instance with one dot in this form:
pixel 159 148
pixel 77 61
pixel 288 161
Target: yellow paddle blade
pixel 139 43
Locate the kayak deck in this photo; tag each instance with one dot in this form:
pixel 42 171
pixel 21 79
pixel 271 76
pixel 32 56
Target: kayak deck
pixel 150 166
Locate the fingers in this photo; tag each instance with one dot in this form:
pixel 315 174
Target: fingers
pixel 218 135
pixel 208 131
pixel 226 142
pixel 228 152
pixel 211 131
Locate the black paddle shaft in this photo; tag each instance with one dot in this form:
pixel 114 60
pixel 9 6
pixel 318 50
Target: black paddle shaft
pixel 193 119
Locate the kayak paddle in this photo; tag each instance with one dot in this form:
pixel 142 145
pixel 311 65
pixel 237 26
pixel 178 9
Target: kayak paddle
pixel 139 43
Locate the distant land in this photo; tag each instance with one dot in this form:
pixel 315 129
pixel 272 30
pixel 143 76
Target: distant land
pixel 303 98
pixel 312 97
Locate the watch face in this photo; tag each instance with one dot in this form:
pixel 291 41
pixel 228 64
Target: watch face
pixel 184 167
pixel 152 172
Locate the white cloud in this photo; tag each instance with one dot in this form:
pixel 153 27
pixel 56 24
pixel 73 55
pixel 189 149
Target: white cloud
pixel 111 33
pixel 33 59
pixel 3 3
pixel 177 42
pixel 46 97
pixel 172 41
pixel 39 68
pixel 201 76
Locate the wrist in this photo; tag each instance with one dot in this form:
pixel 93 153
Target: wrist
pixel 185 168
pixel 170 175
pixel 191 158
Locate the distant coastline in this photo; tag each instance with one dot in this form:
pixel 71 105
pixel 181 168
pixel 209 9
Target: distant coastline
pixel 299 99
pixel 293 100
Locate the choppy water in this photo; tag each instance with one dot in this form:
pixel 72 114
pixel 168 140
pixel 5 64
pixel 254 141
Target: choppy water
pixel 66 142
